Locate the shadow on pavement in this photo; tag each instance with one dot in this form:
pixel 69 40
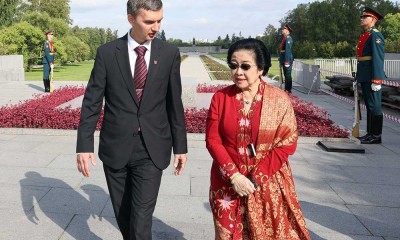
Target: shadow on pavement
pixel 36 87
pixel 28 199
pixel 54 197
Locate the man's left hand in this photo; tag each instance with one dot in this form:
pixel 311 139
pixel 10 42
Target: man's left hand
pixel 179 163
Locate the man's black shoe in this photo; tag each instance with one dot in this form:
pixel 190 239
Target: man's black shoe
pixel 372 140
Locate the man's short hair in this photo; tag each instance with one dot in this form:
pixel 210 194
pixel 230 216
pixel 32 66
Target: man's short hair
pixel 133 6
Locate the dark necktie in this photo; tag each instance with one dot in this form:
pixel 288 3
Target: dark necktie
pixel 140 71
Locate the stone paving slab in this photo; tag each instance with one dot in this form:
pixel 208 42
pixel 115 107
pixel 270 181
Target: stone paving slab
pixel 323 217
pixel 372 216
pixel 34 226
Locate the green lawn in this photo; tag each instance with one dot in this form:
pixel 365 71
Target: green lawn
pixel 69 72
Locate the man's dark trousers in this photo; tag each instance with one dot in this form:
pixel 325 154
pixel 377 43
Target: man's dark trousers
pixel 287 71
pixel 134 190
pixel 373 102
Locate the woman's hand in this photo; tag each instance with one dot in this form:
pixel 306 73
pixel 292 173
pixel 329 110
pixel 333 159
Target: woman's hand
pixel 242 185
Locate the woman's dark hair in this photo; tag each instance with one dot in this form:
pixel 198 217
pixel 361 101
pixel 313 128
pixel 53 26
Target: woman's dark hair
pixel 263 57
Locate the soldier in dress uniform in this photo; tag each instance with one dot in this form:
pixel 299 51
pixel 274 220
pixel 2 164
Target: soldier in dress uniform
pixel 286 56
pixel 48 59
pixel 370 73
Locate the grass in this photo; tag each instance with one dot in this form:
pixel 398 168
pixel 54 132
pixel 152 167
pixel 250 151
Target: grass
pixel 69 72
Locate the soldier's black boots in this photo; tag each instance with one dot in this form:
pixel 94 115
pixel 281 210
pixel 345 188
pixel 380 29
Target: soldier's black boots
pixel 376 131
pixel 368 128
pixel 46 84
pixel 371 139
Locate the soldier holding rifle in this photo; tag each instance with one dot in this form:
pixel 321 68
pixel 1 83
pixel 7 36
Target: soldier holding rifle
pixel 48 59
pixel 286 57
pixel 370 73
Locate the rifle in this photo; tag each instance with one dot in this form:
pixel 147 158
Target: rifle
pixel 357 112
pixel 51 80
pixel 280 71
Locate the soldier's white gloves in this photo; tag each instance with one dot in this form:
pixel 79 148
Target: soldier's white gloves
pixel 376 87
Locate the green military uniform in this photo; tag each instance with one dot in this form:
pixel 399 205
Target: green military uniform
pixel 48 59
pixel 370 73
pixel 286 59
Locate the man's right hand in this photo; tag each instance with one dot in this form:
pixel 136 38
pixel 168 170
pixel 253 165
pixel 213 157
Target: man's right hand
pixel 82 161
pixel 51 66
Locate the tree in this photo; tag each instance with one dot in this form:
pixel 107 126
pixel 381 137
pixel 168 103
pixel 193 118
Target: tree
pixel 161 35
pixel 218 42
pixel 45 22
pixel 226 42
pixel 305 50
pixel 9 11
pixel 271 38
pixel 22 38
pixel 337 22
pixel 298 20
pixel 76 50
pixel 392 29
pixel 110 35
pixel 55 8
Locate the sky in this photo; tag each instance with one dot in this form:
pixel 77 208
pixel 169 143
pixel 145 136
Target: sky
pixel 188 19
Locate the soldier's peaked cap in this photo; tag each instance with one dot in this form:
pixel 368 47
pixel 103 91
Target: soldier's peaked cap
pixel 368 11
pixel 288 28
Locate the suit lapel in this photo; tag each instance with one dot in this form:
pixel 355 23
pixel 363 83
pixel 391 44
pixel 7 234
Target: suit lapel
pixel 153 67
pixel 121 54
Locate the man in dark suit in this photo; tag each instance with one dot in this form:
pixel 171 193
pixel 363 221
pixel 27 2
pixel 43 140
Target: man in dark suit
pixel 286 56
pixel 139 78
pixel 370 73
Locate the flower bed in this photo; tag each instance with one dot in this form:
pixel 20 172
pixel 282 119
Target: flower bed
pixel 207 88
pixel 42 112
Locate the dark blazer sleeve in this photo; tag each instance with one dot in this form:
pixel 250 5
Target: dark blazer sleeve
pixel 91 105
pixel 175 107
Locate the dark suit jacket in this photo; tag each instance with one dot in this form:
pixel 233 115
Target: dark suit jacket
pixel 160 115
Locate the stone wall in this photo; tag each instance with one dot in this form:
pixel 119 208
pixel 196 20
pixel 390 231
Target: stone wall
pixel 12 68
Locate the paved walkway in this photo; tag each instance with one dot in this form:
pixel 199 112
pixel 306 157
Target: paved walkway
pixel 343 196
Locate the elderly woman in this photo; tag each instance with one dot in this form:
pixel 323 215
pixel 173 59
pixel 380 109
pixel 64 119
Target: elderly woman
pixel 251 131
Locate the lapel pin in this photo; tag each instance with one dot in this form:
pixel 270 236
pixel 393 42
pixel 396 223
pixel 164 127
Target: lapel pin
pixel 155 61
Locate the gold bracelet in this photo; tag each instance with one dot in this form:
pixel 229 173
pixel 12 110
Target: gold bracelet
pixel 234 176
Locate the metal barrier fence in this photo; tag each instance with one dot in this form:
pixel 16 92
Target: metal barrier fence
pixel 343 67
pixel 307 75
